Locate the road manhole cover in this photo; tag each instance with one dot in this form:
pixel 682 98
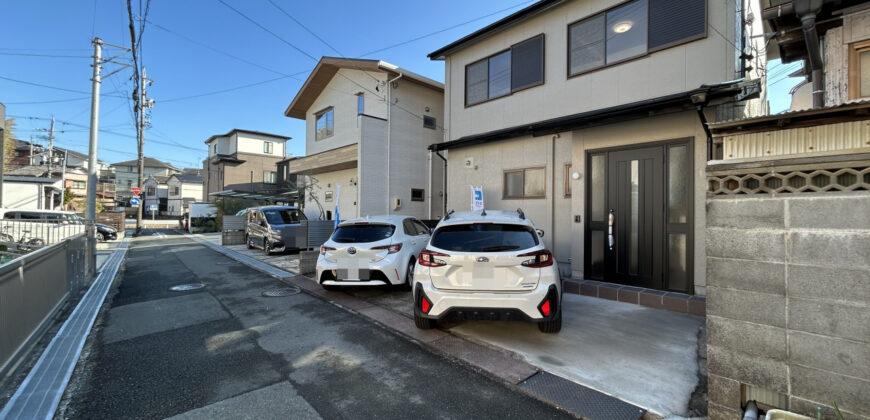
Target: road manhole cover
pixel 285 291
pixel 186 287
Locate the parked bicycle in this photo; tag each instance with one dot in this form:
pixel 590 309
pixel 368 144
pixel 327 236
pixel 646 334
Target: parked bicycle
pixel 24 243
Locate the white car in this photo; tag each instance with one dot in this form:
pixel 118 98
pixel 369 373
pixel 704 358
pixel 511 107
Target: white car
pixel 372 251
pixel 488 265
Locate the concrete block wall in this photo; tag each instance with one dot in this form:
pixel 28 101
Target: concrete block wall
pixel 788 301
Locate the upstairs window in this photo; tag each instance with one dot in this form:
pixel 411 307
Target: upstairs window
pixel 323 127
pixel 360 103
pixel 520 67
pixel 267 147
pixel 632 30
pixel 270 177
pixel 859 70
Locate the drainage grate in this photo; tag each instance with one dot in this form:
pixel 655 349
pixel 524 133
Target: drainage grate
pixel 286 291
pixel 578 399
pixel 186 287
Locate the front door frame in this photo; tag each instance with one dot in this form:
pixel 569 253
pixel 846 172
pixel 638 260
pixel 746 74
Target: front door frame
pixel 689 142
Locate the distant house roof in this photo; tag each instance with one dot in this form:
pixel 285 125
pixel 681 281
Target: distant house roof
pixel 494 27
pixel 149 163
pixel 159 178
pixel 188 178
pixel 30 170
pixel 239 130
pixel 33 179
pixel 326 69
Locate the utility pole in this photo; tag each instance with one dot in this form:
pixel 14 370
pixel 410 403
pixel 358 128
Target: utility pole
pixel 50 144
pixel 91 212
pixel 143 103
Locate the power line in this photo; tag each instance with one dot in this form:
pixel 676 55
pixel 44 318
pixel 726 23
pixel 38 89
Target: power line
pixel 47 102
pixel 44 55
pixel 48 87
pixel 224 90
pixel 267 30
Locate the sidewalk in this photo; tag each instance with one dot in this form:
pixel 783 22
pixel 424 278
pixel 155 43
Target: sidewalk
pixel 642 356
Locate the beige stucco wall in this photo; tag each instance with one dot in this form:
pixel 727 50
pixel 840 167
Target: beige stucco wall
pixel 666 127
pixel 673 70
pixel 328 181
pixel 340 93
pixel 253 144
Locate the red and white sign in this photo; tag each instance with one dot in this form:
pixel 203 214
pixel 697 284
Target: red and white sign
pixel 136 190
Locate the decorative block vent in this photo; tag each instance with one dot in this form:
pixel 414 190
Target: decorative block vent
pixel 778 181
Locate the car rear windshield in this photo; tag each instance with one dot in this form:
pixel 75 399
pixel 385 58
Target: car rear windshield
pixel 362 233
pixel 283 217
pixel 484 237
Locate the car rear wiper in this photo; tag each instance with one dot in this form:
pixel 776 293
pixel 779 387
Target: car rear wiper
pixel 497 248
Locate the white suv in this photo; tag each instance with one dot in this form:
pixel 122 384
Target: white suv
pixel 488 265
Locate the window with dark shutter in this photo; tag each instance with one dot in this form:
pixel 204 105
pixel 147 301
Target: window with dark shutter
pixel 675 21
pixel 527 63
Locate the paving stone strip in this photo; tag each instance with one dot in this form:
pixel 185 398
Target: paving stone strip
pixel 40 393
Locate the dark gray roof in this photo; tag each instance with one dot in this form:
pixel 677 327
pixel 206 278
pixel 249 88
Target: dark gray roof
pixel 239 130
pixel 188 178
pixel 30 179
pixel 149 163
pixel 159 178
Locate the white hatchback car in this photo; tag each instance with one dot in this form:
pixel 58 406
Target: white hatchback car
pixel 487 265
pixel 372 251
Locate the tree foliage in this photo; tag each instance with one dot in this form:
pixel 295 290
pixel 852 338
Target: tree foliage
pixel 9 142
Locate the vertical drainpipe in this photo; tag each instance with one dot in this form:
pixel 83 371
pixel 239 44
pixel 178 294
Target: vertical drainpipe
pixel 807 10
pixel 389 135
pixel 429 183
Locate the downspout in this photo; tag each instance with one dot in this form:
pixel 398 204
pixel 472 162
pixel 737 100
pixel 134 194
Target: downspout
pixel 389 135
pixel 807 10
pixel 700 101
pixel 444 186
pixel 429 182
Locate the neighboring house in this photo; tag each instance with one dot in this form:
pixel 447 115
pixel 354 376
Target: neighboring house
pixel 242 161
pixel 788 227
pixel 155 191
pixel 575 111
pixel 376 153
pixel 127 175
pixel 35 193
pixel 183 190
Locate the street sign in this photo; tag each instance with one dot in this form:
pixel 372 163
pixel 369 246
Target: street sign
pixel 152 207
pixel 136 190
pixel 135 201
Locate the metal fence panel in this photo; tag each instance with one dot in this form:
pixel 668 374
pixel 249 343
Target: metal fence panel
pixel 319 232
pixel 235 223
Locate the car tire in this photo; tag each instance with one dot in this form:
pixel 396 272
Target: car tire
pixel 552 327
pixel 100 237
pixel 249 242
pixel 409 276
pixel 424 323
pixel 329 288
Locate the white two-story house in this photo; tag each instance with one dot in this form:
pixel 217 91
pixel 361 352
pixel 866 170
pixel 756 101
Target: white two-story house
pixel 183 189
pixel 591 117
pixel 368 124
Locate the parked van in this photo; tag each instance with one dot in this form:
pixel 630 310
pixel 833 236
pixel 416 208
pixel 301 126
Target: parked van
pixel 38 227
pixel 270 227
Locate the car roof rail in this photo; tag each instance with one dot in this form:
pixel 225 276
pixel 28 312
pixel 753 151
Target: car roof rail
pixel 521 214
pixel 447 216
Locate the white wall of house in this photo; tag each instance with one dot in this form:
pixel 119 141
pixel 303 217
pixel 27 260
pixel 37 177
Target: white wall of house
pixel 340 94
pixel 672 70
pixel 326 183
pixel 254 144
pixel 27 195
pixel 187 191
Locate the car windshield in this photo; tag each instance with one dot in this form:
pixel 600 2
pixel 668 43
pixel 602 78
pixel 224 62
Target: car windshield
pixel 484 237
pixel 283 217
pixel 362 233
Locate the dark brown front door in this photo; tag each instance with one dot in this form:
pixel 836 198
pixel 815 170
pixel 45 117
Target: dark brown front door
pixel 638 216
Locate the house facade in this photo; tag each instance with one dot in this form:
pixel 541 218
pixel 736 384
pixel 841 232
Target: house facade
pixel 242 161
pixel 127 175
pixel 581 113
pixel 368 124
pixel 183 189
pixel 155 191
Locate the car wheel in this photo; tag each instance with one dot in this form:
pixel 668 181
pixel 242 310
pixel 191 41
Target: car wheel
pixel 552 327
pixel 409 276
pixel 100 237
pixel 249 242
pixel 329 288
pixel 424 323
pixel 266 250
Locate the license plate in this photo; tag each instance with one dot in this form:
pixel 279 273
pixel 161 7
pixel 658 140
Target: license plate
pixel 345 274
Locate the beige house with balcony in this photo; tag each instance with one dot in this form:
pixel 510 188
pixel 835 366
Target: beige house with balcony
pixel 583 111
pixel 242 161
pixel 375 152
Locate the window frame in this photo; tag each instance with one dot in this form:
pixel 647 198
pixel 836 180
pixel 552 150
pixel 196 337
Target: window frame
pixel 649 51
pixel 360 103
pixel 270 177
pixel 855 50
pixel 511 90
pixel 434 124
pixel 504 195
pixel 422 194
pixel 317 116
pixel 268 147
pixel 567 191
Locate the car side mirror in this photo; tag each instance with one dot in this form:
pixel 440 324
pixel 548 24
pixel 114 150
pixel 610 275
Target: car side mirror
pixel 540 232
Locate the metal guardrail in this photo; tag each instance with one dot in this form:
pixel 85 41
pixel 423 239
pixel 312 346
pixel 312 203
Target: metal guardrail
pixel 33 288
pixel 31 234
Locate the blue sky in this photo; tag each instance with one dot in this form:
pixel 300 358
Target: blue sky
pixel 195 49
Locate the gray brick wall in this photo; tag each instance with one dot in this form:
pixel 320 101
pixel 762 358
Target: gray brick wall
pixel 788 301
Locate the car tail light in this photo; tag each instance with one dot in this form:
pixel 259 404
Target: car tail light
pixel 425 305
pixel 550 305
pixel 323 249
pixel 391 249
pixel 545 308
pixel 428 258
pixel 542 258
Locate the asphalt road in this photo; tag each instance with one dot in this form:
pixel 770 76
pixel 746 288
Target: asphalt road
pixel 227 352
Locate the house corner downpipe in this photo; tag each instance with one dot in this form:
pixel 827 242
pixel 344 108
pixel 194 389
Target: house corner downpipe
pixel 807 11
